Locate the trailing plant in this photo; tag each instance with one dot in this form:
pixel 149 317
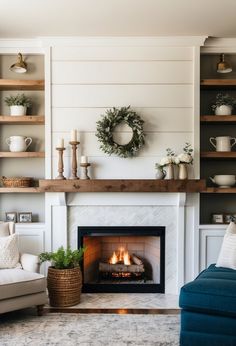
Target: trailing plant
pixel 224 99
pixel 18 100
pixel 107 124
pixel 63 258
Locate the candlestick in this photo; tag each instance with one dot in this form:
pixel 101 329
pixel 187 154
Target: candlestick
pixel 60 163
pixel 84 171
pixel 60 143
pixel 74 160
pixel 73 135
pixel 84 159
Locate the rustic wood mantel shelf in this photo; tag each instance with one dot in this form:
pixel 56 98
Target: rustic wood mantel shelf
pixel 122 185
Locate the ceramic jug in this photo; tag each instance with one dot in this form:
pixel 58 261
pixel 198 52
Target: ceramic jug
pixel 223 143
pixel 18 143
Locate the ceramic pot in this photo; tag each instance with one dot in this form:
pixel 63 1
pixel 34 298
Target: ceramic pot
pixel 169 170
pixel 18 110
pixel 224 143
pixel 183 171
pixel 225 181
pixel 160 174
pixel 223 110
pixel 18 143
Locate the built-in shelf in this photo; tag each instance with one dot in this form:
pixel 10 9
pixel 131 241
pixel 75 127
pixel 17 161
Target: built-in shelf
pixel 22 120
pixel 218 119
pixel 24 154
pixel 124 185
pixel 17 84
pixel 219 190
pixel 218 83
pixel 21 190
pixel 218 155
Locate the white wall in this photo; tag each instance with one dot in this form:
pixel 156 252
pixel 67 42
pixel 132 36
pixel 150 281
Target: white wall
pixel 157 81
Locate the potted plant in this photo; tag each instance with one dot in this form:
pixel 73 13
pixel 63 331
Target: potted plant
pixel 224 104
pixel 18 104
pixel 64 279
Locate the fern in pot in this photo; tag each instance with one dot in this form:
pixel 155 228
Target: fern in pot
pixel 18 104
pixel 64 279
pixel 224 104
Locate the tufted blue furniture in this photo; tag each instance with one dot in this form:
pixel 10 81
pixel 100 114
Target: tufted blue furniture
pixel 208 316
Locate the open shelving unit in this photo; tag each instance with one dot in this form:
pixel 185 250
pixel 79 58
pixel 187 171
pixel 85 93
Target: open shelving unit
pixel 18 84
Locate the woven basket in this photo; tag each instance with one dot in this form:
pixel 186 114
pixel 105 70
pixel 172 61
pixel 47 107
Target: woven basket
pixel 16 182
pixel 64 286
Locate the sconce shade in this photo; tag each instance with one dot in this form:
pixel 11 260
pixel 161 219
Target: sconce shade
pixel 20 66
pixel 223 66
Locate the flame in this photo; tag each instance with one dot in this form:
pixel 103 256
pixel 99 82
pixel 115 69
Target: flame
pixel 122 257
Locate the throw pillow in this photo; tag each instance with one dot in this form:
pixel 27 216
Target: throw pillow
pixel 4 229
pixel 227 256
pixel 9 253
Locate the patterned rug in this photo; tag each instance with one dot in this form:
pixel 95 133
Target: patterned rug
pixel 25 328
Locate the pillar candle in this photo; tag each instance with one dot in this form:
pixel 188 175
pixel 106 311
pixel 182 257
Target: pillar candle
pixel 84 159
pixel 73 135
pixel 60 143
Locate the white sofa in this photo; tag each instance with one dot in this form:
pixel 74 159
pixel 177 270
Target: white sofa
pixel 21 287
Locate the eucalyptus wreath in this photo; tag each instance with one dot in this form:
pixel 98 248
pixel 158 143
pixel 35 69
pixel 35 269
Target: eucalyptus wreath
pixel 107 124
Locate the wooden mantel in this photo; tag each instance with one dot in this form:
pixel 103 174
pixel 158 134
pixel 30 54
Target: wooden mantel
pixel 122 185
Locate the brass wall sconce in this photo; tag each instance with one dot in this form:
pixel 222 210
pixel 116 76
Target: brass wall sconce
pixel 20 66
pixel 223 66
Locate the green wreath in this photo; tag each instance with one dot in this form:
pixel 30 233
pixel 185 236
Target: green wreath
pixel 107 124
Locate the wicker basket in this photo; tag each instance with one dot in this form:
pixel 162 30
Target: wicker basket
pixel 16 182
pixel 64 286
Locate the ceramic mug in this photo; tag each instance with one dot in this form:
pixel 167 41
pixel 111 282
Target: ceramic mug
pixel 223 143
pixel 226 180
pixel 18 143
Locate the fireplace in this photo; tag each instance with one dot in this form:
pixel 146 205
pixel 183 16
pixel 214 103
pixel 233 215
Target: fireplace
pixel 123 259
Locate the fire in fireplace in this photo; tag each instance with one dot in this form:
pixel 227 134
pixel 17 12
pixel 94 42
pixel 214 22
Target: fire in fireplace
pixel 123 259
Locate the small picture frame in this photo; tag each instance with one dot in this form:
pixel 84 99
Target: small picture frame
pixel 229 217
pixel 217 218
pixel 11 216
pixel 25 217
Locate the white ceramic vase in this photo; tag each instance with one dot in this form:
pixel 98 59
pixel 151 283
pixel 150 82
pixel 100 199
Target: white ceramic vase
pixel 169 169
pixel 223 110
pixel 18 110
pixel 183 171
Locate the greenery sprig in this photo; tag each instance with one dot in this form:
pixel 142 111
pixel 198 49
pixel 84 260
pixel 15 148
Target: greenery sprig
pixel 63 258
pixel 106 126
pixel 18 100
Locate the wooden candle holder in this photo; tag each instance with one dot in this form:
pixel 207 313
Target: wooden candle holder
pixel 74 145
pixel 84 171
pixel 60 164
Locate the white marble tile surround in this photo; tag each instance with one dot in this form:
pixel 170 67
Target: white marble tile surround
pixel 131 216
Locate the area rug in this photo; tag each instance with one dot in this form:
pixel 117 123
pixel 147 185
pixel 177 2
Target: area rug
pixel 89 329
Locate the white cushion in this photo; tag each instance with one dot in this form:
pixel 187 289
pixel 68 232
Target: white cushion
pixel 4 229
pixel 9 253
pixel 227 256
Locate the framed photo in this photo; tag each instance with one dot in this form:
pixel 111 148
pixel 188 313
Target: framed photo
pixel 229 217
pixel 11 216
pixel 217 218
pixel 25 217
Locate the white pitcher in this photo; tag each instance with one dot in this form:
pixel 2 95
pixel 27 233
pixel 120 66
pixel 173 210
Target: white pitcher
pixel 224 143
pixel 18 143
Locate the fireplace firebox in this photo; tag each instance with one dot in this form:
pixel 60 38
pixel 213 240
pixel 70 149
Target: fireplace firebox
pixel 123 259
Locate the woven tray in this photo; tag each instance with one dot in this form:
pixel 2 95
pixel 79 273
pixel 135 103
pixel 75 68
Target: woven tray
pixel 16 182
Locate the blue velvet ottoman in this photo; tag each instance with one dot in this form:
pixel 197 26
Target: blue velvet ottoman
pixel 208 316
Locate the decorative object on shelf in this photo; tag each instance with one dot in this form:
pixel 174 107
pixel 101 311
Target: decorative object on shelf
pixel 20 66
pixel 84 164
pixel 18 143
pixel 224 181
pixel 106 127
pixel 224 104
pixel 74 143
pixel 183 160
pixel 223 143
pixel 217 218
pixel 223 66
pixel 64 277
pixel 167 164
pixel 229 218
pixel 25 217
pixel 160 173
pixel 18 104
pixel 60 148
pixel 11 216
pixel 16 182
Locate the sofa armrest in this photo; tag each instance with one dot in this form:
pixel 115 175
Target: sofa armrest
pixel 30 262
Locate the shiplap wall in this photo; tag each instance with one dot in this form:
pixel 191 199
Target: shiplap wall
pixel 156 81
